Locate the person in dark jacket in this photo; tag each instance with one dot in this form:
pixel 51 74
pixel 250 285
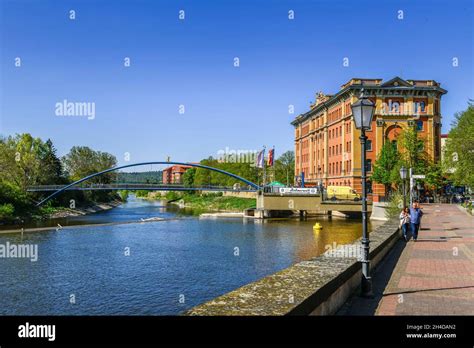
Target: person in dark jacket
pixel 415 219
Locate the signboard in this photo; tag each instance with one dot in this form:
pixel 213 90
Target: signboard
pixel 418 176
pixel 298 190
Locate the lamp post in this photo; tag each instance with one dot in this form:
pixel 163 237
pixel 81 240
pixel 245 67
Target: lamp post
pixel 363 112
pixel 403 176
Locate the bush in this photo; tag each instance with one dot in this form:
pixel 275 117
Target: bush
pixel 141 193
pixel 395 205
pixel 172 195
pixel 123 195
pixel 6 211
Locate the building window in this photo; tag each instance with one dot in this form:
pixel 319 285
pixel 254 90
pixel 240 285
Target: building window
pixel 419 125
pixel 369 145
pixel 369 186
pixel 368 165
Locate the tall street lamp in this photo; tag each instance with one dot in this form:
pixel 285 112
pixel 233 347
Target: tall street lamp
pixel 363 112
pixel 403 176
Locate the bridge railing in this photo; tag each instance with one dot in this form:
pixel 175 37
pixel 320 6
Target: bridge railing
pixel 135 186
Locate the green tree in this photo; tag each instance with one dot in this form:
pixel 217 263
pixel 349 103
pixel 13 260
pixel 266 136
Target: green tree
pixel 54 172
pixel 285 167
pixel 188 177
pixel 204 177
pixel 434 178
pixel 459 152
pixel 26 161
pixel 82 161
pixel 386 166
pixel 413 152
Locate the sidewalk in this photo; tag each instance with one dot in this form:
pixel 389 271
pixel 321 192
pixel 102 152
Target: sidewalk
pixel 434 276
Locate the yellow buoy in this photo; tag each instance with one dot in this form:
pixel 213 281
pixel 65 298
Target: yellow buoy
pixel 317 226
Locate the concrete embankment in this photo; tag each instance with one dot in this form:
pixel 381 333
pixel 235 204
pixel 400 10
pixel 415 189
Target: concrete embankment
pixel 85 210
pixel 319 286
pixel 221 215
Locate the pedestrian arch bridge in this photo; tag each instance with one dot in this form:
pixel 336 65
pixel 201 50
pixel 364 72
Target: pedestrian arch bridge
pixel 267 203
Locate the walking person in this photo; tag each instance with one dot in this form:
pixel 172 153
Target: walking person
pixel 405 222
pixel 415 219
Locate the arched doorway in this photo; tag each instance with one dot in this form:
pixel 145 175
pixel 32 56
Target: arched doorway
pixel 392 133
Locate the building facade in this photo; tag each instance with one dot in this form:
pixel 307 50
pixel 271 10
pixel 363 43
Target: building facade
pixel 174 174
pixel 327 145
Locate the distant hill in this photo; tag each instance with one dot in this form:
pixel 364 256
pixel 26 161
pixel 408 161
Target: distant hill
pixel 152 177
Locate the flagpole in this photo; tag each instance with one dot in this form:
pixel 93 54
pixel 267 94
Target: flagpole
pixel 264 169
pixel 273 163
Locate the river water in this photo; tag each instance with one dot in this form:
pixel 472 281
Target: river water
pixel 154 268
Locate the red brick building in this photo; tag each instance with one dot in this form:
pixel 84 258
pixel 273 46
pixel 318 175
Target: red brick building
pixel 174 174
pixel 327 145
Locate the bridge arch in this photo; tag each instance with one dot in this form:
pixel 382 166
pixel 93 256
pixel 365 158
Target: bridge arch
pixel 55 193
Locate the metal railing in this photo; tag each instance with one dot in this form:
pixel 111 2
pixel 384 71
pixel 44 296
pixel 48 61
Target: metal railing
pixel 132 187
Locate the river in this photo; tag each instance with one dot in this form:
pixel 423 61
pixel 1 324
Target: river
pixel 153 268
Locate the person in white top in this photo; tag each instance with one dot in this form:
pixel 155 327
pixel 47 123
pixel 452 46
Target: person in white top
pixel 405 222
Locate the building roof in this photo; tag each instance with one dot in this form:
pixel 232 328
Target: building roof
pixel 369 85
pixel 176 166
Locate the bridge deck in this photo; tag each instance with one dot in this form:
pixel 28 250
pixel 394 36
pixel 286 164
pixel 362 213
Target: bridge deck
pixel 273 201
pixel 144 187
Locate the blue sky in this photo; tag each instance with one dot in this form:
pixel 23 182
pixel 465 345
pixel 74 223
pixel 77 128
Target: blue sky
pixel 190 62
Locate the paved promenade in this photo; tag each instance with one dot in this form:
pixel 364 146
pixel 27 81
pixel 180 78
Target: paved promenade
pixel 433 276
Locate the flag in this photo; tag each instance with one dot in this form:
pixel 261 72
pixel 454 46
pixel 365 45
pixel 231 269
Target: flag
pixel 271 154
pixel 261 159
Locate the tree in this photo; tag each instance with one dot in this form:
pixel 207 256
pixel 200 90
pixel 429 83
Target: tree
pixel 54 167
pixel 188 177
pixel 205 177
pixel 459 152
pixel 27 161
pixel 82 161
pixel 413 153
pixel 285 167
pixel 434 178
pixel 386 166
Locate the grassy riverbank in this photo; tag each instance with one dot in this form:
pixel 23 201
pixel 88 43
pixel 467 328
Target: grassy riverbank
pixel 205 202
pixel 219 203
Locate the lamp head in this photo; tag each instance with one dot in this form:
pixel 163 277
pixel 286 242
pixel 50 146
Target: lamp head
pixel 363 111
